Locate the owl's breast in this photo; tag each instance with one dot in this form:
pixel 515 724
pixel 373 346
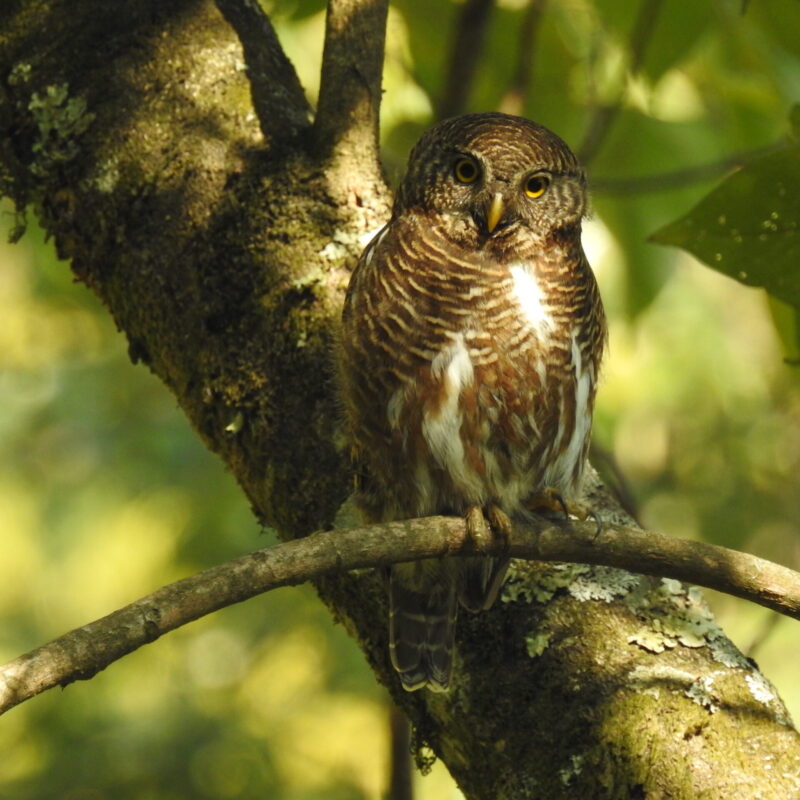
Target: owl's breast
pixel 469 383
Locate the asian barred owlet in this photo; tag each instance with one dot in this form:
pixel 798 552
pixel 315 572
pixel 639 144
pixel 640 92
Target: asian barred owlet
pixel 472 337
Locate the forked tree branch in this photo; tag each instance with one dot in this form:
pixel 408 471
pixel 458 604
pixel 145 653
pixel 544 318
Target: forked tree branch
pixel 346 126
pixel 278 98
pixel 85 651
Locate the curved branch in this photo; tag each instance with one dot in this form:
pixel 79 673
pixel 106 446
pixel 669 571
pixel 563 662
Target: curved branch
pixel 83 652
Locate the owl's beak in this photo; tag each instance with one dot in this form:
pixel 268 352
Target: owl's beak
pixel 495 211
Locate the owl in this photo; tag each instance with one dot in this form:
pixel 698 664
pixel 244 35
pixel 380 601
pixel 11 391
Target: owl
pixel 472 335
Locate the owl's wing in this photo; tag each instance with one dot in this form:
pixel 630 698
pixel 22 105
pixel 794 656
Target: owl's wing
pixel 364 263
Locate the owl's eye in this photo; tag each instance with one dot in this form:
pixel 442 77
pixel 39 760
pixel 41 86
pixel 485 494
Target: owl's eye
pixel 465 170
pixel 536 185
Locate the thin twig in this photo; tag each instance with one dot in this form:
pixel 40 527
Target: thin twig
pixel 605 113
pixel 278 98
pixel 677 179
pixel 764 632
pixel 514 100
pixel 401 785
pixel 465 53
pixel 346 127
pixel 81 653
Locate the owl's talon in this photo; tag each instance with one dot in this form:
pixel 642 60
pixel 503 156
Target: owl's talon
pixel 550 499
pixel 485 526
pixel 598 522
pixel 485 574
pixel 478 531
pixel 500 524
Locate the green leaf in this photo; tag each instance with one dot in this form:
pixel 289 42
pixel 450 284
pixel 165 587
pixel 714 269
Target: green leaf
pixel 749 226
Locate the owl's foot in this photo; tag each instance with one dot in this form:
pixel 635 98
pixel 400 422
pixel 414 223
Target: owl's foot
pixel 550 499
pixel 486 525
pixel 478 530
pixel 500 523
pixel 483 575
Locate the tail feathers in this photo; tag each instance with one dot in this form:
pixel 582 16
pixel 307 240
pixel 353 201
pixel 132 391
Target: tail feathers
pixel 422 632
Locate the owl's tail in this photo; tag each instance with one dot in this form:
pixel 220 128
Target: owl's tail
pixel 422 624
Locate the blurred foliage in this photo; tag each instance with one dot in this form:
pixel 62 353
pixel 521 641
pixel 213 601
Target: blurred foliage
pixel 749 226
pixel 105 493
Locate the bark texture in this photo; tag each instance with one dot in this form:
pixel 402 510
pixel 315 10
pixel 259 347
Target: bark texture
pixel 219 227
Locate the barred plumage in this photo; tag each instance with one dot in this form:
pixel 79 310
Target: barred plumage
pixel 472 338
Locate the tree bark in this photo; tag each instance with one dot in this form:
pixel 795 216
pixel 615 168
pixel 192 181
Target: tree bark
pixel 219 227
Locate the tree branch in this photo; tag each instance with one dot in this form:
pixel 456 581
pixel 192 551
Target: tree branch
pixel 82 653
pixel 401 778
pixel 605 113
pixel 278 98
pixel 466 50
pixel 679 178
pixel 513 101
pixel 224 261
pixel 347 123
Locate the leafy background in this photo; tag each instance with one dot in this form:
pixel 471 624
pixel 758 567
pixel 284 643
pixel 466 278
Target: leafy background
pixel 105 494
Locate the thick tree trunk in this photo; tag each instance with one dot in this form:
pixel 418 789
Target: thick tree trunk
pixel 221 241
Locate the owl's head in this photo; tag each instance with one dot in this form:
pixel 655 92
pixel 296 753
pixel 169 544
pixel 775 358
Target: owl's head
pixel 494 174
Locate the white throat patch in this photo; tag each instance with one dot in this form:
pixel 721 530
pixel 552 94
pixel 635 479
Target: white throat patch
pixel 530 297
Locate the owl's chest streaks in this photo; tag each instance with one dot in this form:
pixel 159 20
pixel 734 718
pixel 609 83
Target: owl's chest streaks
pixel 422 293
pixel 474 372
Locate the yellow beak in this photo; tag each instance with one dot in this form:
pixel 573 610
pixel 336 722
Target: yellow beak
pixel 495 212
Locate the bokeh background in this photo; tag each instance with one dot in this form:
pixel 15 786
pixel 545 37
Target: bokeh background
pixel 106 494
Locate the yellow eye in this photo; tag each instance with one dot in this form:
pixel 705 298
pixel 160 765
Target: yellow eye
pixel 536 185
pixel 465 170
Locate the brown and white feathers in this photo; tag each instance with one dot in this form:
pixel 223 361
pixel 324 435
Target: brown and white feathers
pixel 472 337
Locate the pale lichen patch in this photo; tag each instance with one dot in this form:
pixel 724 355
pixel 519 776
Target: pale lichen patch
pixel 725 652
pixel 654 641
pixel 760 688
pixel 314 276
pixel 570 773
pixel 702 692
pixel 60 120
pixel 682 618
pixel 533 583
pixel 603 583
pixel 764 692
pixel 536 643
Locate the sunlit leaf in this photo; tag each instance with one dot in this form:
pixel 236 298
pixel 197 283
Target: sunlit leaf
pixel 676 30
pixel 749 226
